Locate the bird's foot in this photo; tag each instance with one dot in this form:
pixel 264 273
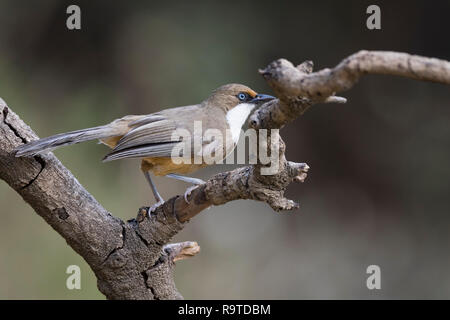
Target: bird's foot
pixel 188 193
pixel 155 206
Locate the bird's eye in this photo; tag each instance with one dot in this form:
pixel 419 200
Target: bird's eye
pixel 242 96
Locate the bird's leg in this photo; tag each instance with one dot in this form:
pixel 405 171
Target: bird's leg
pixel 159 199
pixel 196 182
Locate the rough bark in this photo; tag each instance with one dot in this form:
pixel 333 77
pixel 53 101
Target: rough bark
pixel 133 260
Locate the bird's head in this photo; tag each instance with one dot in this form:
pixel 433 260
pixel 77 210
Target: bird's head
pixel 237 101
pixel 232 95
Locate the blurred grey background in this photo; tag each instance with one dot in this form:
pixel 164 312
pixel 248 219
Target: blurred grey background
pixel 378 189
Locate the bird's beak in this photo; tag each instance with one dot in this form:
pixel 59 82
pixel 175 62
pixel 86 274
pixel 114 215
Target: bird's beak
pixel 261 98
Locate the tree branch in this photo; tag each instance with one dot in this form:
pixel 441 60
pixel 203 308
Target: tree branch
pixel 132 259
pixel 299 81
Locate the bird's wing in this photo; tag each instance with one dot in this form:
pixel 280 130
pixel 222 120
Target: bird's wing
pixel 148 138
pixel 142 151
pixel 152 135
pixel 156 132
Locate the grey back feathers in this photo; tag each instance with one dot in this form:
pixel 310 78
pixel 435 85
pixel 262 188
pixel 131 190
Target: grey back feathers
pixel 146 119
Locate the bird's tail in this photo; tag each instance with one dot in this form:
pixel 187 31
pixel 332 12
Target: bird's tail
pixel 65 139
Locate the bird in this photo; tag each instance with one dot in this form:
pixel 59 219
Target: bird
pixel 150 137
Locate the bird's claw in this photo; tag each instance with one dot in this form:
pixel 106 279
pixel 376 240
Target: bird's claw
pixel 188 193
pixel 155 206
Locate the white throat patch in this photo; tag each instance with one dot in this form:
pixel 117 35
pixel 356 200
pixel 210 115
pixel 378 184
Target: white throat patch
pixel 236 118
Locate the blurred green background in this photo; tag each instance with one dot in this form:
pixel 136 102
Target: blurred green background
pixel 378 189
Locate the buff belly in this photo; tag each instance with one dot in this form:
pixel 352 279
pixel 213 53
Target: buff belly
pixel 164 166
